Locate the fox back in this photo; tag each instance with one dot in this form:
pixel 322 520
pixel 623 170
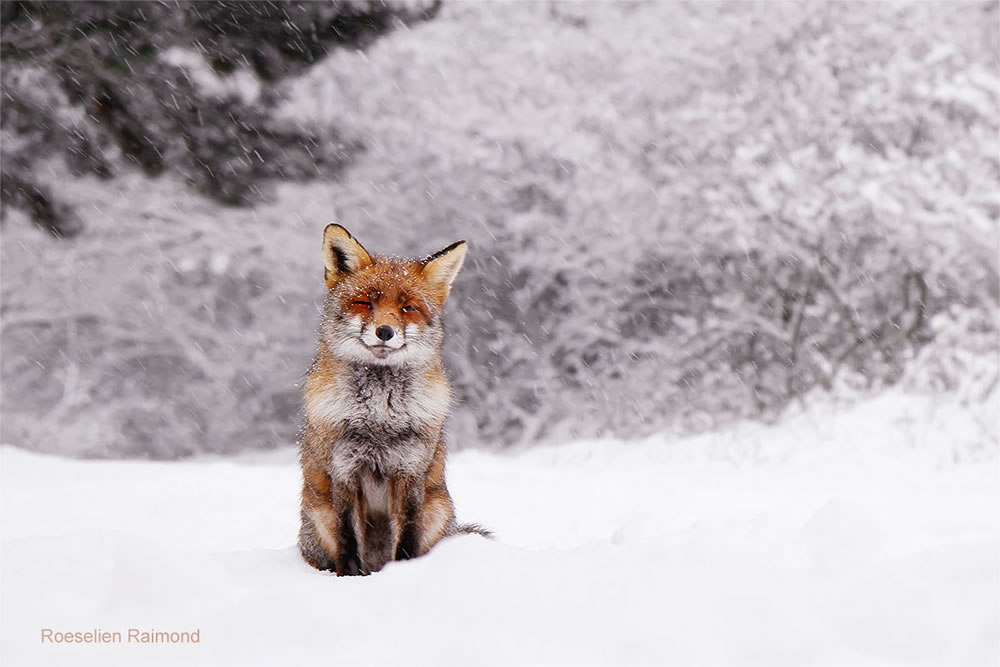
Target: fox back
pixel 376 399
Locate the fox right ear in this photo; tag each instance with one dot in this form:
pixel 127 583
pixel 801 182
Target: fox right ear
pixel 342 254
pixel 441 268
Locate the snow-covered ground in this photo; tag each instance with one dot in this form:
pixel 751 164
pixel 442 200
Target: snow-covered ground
pixel 849 539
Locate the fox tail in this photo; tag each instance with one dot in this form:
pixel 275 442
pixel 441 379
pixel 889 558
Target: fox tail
pixel 472 529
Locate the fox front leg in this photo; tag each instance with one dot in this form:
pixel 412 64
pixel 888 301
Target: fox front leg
pixel 318 529
pixel 348 559
pixel 411 498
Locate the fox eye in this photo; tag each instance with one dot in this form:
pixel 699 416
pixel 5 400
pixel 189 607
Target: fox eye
pixel 366 304
pixel 410 309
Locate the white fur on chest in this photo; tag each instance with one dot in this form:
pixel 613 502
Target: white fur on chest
pixel 381 410
pixel 423 403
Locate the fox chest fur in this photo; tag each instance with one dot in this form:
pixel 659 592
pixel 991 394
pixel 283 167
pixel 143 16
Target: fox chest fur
pixel 382 421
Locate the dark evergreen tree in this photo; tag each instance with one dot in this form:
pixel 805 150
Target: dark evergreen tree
pixel 89 81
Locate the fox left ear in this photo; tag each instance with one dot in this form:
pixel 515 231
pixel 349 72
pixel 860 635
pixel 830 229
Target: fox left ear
pixel 441 268
pixel 342 254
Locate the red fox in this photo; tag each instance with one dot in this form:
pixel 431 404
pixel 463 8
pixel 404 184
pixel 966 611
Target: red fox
pixel 376 399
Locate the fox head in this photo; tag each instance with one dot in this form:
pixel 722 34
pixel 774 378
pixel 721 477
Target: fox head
pixel 384 310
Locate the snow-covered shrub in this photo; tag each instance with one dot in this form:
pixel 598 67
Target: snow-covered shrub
pixel 683 225
pixel 961 365
pixel 962 359
pixel 679 214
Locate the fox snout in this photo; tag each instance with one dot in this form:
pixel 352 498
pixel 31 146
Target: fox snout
pixel 383 332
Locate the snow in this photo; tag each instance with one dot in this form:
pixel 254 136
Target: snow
pixel 842 538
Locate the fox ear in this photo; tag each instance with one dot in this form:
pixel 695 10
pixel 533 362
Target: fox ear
pixel 441 268
pixel 342 254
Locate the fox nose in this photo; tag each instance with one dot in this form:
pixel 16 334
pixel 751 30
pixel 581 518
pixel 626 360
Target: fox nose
pixel 384 332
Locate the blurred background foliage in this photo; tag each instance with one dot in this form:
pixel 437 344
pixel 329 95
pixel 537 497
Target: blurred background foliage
pixel 680 214
pixel 183 86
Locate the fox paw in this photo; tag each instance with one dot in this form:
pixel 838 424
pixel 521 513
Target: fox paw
pixel 348 567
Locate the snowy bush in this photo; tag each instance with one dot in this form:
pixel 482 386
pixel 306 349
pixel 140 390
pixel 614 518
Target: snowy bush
pixel 689 224
pixel 679 215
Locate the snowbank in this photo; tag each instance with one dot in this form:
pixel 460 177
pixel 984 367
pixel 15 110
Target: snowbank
pixel 805 544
